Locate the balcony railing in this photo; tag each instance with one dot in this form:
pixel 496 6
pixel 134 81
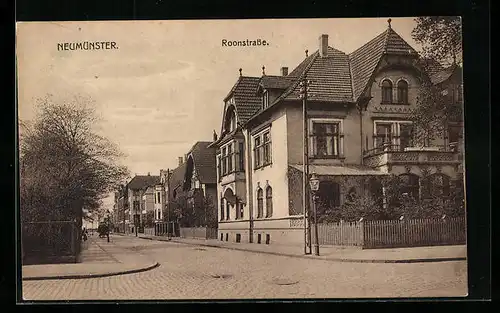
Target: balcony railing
pixel 394 154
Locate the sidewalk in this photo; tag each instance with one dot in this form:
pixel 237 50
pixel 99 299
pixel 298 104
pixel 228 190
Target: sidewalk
pixel 338 254
pixel 98 259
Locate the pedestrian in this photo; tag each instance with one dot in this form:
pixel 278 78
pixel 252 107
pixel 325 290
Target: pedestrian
pixel 84 234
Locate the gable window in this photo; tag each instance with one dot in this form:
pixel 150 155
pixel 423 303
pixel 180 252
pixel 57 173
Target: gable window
pixel 269 201
pixel 265 99
pixel 260 203
pixel 402 92
pixel 262 149
pixel 386 91
pixel 393 135
pixel 327 139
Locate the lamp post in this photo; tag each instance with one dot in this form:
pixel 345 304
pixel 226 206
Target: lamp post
pixel 314 184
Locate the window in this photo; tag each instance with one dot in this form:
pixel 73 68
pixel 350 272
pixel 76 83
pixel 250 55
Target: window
pixel 402 92
pixel 219 166
pixel 221 208
pixel 159 214
pixel 410 185
pixel 392 135
pixel 386 91
pixel 231 121
pixel 265 99
pixel 383 134
pixel 228 210
pixel 262 149
pixel 454 135
pixel 260 203
pixel 326 139
pixel 329 194
pixel 240 210
pixel 159 197
pixel 405 136
pixel 224 163
pixel 269 201
pixel 241 156
pixel 229 158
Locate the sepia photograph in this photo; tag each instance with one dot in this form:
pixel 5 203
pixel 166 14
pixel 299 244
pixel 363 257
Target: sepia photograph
pixel 241 159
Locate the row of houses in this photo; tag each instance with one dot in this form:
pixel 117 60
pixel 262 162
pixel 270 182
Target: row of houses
pixel 359 128
pixel 147 200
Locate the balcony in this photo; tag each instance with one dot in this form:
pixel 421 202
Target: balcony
pixel 389 155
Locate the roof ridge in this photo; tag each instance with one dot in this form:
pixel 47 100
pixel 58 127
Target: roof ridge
pixel 386 39
pixel 299 78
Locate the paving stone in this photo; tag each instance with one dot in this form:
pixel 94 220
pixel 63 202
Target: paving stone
pixel 187 273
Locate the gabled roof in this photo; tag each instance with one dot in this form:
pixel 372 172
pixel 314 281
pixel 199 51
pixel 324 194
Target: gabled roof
pixel 204 162
pixel 143 181
pixel 276 82
pixel 245 97
pixel 365 59
pixel 330 76
pixel 177 177
pixel 440 76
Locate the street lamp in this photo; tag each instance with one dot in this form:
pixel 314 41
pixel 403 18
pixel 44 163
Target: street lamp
pixel 314 184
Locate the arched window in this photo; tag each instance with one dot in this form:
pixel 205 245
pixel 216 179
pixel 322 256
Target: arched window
pixel 402 92
pixel 269 201
pixel 410 185
pixel 228 210
pixel 260 203
pixel 386 91
pixel 329 194
pixel 221 208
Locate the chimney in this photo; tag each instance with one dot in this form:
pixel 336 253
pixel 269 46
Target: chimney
pixel 215 136
pixel 323 45
pixel 149 174
pixel 185 157
pixel 181 160
pixel 284 71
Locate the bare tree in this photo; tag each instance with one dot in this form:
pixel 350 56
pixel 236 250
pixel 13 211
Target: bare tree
pixel 65 165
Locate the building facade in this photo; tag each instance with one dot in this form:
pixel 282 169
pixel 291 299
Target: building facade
pixel 139 199
pixel 359 129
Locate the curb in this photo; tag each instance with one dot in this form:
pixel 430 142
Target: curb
pixel 84 276
pixel 422 260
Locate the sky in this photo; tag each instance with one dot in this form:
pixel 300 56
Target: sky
pixel 162 89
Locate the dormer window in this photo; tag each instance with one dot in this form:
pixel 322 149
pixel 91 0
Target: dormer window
pixel 265 99
pixel 386 91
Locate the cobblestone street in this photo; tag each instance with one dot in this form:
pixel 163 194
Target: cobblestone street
pixel 190 272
